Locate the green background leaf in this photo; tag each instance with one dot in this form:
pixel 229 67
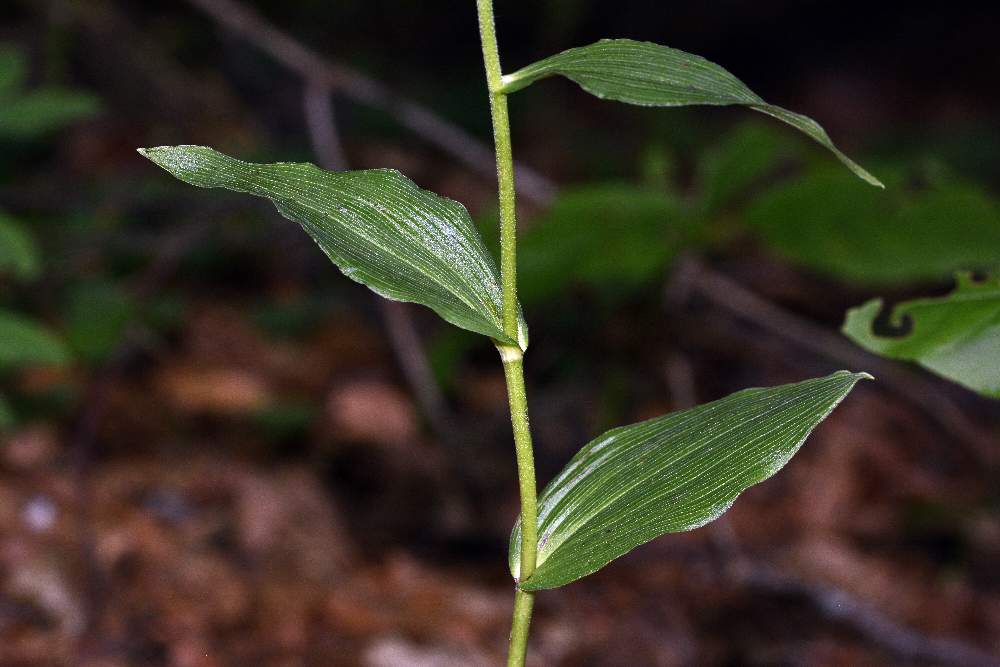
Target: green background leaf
pixel 382 230
pixel 18 252
pixel 23 341
pixel 44 110
pixel 7 419
pixel 956 336
pixel 13 70
pixel 826 222
pixel 653 75
pixel 606 236
pixel 670 474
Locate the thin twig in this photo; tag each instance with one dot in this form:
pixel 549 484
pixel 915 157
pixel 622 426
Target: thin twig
pixel 362 89
pixel 921 392
pixel 317 105
pixel 842 607
pixel 397 317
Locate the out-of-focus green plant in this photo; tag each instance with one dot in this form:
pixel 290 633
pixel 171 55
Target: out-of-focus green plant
pixel 19 255
pixel 914 232
pixel 633 483
pixel 27 114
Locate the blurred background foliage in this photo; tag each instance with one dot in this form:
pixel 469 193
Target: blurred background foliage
pixel 174 361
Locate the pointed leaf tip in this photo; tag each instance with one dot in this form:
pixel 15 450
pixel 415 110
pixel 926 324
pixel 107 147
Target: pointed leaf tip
pixel 648 74
pixel 670 474
pixel 377 226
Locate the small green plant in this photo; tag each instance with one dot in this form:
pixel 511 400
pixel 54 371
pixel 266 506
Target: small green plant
pixel 27 114
pixel 634 483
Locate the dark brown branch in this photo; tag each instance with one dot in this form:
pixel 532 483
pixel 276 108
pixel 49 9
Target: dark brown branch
pixel 362 89
pixel 842 607
pixel 396 316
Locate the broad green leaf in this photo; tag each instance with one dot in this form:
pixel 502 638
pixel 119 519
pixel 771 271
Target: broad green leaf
pixel 652 75
pixel 382 230
pixel 24 342
pixel 44 110
pixel 956 336
pixel 18 253
pixel 607 236
pixel 670 474
pixel 825 222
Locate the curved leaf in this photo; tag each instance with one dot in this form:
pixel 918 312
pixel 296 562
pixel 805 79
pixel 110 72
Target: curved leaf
pixel 377 226
pixel 653 75
pixel 670 474
pixel 23 341
pixel 956 336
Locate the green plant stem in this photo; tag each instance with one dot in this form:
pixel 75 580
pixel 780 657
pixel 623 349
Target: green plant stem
pixel 512 356
pixel 505 167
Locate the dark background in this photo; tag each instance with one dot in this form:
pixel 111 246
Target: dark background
pixel 236 466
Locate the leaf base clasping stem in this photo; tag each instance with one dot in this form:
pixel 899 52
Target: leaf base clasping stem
pixel 511 356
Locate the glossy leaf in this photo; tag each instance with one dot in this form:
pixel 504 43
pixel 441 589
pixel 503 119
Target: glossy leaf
pixel 24 341
pixel 670 474
pixel 382 230
pixel 653 75
pixel 956 336
pixel 825 222
pixel 18 252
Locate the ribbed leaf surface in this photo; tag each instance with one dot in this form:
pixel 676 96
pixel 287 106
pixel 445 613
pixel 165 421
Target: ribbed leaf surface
pixel 382 230
pixel 652 75
pixel 670 474
pixel 956 336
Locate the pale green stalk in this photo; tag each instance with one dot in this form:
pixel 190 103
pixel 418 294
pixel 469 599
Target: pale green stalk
pixel 512 356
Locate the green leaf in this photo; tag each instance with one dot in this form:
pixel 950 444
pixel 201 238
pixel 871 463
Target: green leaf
pixel 382 230
pixel 7 419
pixel 652 75
pixel 825 222
pixel 18 251
pixel 605 236
pixel 670 474
pixel 25 342
pixel 742 159
pixel 956 336
pixel 13 70
pixel 96 315
pixel 44 110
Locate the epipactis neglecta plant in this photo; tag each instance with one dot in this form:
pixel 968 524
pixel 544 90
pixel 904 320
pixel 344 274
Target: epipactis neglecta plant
pixel 632 484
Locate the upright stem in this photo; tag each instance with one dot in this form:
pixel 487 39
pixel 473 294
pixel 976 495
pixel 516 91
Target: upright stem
pixel 512 355
pixel 505 167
